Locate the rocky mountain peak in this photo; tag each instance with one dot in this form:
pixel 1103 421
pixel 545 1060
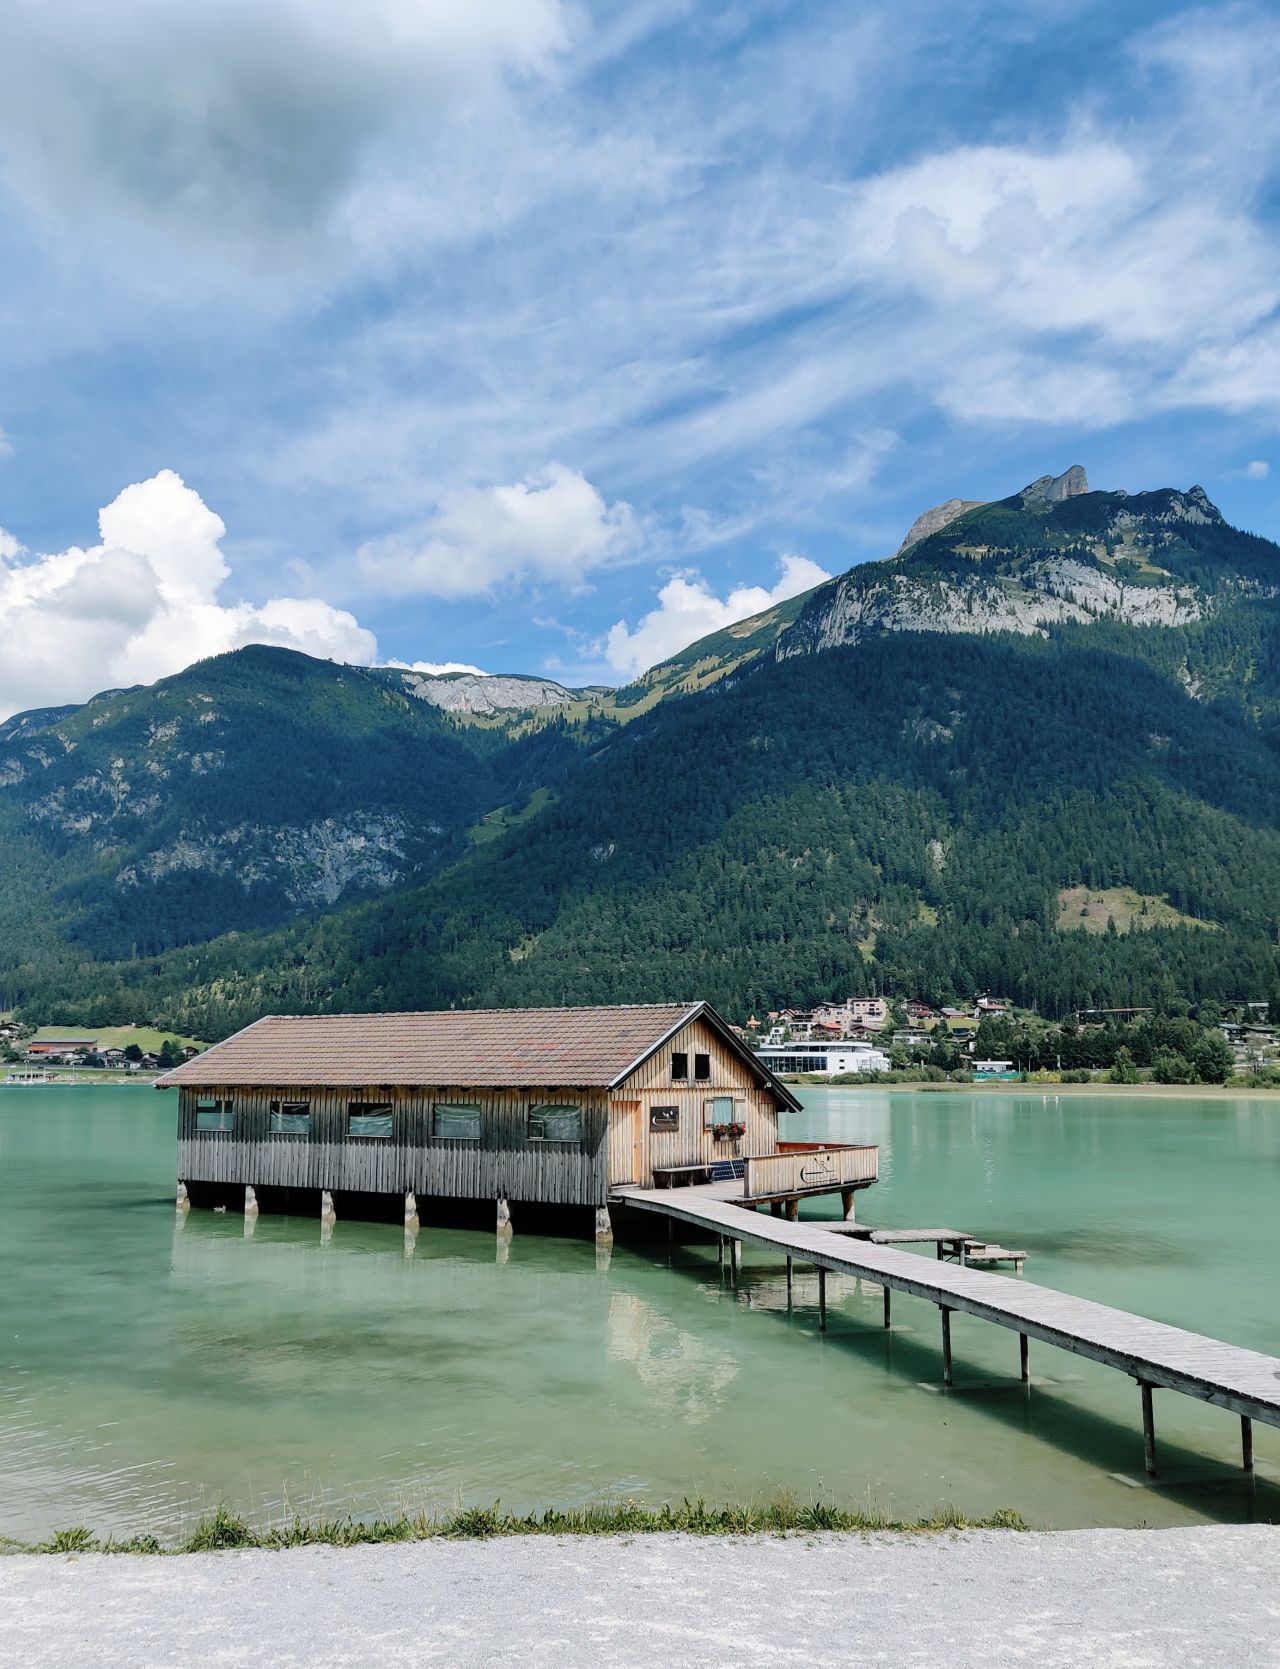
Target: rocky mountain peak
pixel 933 521
pixel 1052 489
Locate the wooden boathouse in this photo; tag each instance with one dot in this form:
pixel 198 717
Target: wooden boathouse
pixel 555 1106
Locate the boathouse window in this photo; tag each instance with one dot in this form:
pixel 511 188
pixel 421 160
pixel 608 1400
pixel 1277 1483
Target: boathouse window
pixel 214 1115
pixel 664 1119
pixel 369 1118
pixel 701 1068
pixel 290 1118
pixel 679 1065
pixel 718 1110
pixel 555 1124
pixel 456 1122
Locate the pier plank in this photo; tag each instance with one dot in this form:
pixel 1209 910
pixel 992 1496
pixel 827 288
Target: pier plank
pixel 1155 1353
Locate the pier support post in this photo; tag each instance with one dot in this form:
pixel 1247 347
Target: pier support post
pixel 504 1218
pixel 734 1251
pixel 822 1299
pixel 1246 1442
pixel 410 1213
pixel 720 1253
pixel 847 1198
pixel 250 1202
pixel 181 1202
pixel 793 1210
pixel 671 1238
pixel 327 1213
pixel 775 1208
pixel 604 1226
pixel 946 1344
pixel 1024 1358
pixel 888 1306
pixel 1148 1429
pixel 790 1277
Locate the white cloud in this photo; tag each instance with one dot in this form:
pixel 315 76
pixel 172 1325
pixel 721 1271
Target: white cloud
pixel 241 118
pixel 6 445
pixel 554 527
pixel 437 669
pixel 1257 469
pixel 688 609
pixel 142 604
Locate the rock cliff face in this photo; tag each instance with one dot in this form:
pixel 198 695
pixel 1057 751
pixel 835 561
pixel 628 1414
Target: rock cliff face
pixel 1053 554
pixel 933 521
pixel 470 692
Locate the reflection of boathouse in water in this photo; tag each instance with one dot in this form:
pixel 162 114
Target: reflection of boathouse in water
pixel 542 1106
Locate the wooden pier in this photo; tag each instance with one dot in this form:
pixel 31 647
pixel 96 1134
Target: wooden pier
pixel 1156 1355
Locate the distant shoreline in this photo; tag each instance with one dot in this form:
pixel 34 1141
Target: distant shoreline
pixel 1176 1092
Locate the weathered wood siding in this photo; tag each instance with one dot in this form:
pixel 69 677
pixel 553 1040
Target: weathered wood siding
pixel 818 1169
pixel 504 1162
pixel 691 1142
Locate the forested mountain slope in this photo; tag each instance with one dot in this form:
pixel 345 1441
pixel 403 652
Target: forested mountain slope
pixel 872 797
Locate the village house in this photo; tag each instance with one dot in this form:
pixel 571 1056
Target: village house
pixel 40 1048
pixel 552 1106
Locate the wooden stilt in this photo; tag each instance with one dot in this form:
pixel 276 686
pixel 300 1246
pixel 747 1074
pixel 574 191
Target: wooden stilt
pixel 671 1238
pixel 733 1260
pixel 720 1251
pixel 790 1276
pixel 250 1202
pixel 793 1210
pixel 1246 1442
pixel 504 1218
pixel 847 1198
pixel 1148 1429
pixel 328 1216
pixel 822 1299
pixel 410 1212
pixel 946 1344
pixel 888 1306
pixel 182 1202
pixel 1024 1355
pixel 775 1208
pixel 604 1226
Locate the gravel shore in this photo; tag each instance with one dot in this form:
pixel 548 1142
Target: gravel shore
pixel 1091 1599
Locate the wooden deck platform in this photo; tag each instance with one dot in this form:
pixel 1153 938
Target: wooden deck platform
pixel 1155 1354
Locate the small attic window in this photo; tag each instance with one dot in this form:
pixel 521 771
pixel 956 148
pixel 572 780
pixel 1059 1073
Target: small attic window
pixel 702 1068
pixel 679 1066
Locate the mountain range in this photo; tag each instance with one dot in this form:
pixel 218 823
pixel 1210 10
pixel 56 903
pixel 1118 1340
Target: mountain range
pixel 1036 751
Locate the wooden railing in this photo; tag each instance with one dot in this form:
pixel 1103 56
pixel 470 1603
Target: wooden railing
pixel 809 1168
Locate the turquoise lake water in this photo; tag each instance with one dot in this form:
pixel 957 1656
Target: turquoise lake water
pixel 152 1367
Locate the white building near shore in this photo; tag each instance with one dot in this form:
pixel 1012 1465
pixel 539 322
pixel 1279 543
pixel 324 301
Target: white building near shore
pixel 826 1059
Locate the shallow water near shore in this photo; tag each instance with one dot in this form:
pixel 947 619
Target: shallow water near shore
pixel 153 1367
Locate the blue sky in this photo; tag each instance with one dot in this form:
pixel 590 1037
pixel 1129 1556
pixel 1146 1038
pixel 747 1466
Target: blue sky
pixel 544 337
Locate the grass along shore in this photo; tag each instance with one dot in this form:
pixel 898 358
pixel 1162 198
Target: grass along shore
pixel 222 1531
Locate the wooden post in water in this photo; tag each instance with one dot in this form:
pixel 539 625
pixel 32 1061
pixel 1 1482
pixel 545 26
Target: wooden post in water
pixel 793 1210
pixel 734 1250
pixel 671 1238
pixel 1024 1356
pixel 604 1226
pixel 1148 1429
pixel 250 1202
pixel 181 1201
pixel 504 1219
pixel 790 1276
pixel 847 1198
pixel 888 1306
pixel 720 1253
pixel 410 1213
pixel 946 1344
pixel 822 1299
pixel 1246 1442
pixel 775 1208
pixel 327 1213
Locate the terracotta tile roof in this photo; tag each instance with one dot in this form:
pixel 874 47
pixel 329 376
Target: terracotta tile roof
pixel 578 1047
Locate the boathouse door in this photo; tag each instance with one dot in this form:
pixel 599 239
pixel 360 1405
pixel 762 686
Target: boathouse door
pixel 630 1146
